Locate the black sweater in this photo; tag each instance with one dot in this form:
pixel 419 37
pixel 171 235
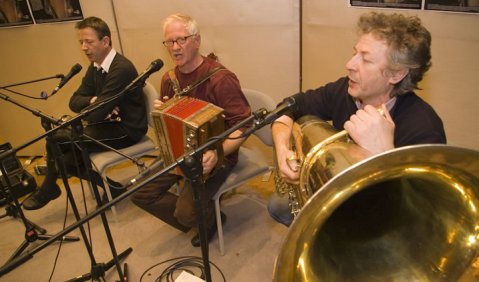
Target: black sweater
pixel 416 121
pixel 132 105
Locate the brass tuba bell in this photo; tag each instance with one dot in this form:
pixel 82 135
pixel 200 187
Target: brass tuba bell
pixel 410 214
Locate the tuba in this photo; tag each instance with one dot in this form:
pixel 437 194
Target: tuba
pixel 410 214
pixel 322 152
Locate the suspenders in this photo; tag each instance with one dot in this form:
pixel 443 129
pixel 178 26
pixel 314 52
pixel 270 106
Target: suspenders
pixel 184 91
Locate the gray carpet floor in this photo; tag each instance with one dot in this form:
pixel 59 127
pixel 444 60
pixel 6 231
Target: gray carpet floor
pixel 252 239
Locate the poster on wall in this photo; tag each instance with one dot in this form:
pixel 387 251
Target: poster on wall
pixel 47 11
pixel 402 4
pixel 470 6
pixel 14 13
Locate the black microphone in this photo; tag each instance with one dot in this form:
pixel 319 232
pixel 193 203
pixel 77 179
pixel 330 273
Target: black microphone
pixel 289 104
pixel 155 66
pixel 154 166
pixel 74 70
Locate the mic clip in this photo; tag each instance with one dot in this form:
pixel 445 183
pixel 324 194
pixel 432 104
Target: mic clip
pixel 259 116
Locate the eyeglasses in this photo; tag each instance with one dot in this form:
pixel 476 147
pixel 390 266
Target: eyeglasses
pixel 179 40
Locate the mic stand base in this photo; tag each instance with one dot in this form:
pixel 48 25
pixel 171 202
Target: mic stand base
pixel 98 270
pixel 32 233
pixel 11 210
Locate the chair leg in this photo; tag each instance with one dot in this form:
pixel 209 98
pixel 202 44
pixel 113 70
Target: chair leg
pixel 219 226
pixel 108 194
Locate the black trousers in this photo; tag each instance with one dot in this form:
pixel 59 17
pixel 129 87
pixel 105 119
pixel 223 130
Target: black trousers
pixel 61 145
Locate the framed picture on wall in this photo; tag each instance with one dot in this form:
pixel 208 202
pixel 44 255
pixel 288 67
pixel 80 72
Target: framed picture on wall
pixel 471 6
pixel 47 11
pixel 14 13
pixel 402 4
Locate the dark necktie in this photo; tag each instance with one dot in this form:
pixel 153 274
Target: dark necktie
pixel 100 75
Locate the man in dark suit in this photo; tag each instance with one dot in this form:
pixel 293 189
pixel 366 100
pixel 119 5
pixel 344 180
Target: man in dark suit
pixel 118 124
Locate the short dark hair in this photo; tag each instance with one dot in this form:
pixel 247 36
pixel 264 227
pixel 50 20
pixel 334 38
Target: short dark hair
pixel 409 45
pixel 97 24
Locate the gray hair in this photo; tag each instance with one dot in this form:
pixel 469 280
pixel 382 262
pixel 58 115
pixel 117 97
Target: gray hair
pixel 190 24
pixel 409 45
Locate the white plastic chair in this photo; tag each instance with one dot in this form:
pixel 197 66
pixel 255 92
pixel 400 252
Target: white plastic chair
pixel 102 161
pixel 251 163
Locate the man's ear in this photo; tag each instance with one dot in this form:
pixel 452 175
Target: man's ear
pixel 106 40
pixel 397 76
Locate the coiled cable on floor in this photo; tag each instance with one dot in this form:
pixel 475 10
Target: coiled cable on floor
pixel 191 264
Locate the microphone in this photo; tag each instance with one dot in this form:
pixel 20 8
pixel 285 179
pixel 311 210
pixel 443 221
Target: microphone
pixel 155 66
pixel 74 70
pixel 155 165
pixel 287 105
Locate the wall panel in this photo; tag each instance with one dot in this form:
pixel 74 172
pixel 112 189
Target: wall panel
pixel 258 40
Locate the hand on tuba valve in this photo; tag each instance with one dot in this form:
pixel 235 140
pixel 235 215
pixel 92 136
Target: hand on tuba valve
pixel 289 167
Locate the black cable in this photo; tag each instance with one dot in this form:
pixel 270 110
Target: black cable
pixel 61 243
pixel 75 146
pixel 66 214
pixel 186 263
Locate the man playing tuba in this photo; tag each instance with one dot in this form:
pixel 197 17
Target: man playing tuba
pixel 375 103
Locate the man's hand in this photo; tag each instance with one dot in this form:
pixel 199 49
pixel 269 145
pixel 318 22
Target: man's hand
pixel 287 161
pixel 210 158
pixel 288 165
pixel 93 99
pixel 157 103
pixel 114 115
pixel 372 130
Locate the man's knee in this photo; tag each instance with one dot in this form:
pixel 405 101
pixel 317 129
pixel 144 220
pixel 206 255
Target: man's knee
pixel 141 200
pixel 186 216
pixel 153 191
pixel 279 210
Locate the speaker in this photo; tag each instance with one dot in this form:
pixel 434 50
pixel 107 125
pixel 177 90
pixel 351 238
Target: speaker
pixel 21 181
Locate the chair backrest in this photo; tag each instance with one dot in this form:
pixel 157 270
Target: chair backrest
pixel 150 95
pixel 256 101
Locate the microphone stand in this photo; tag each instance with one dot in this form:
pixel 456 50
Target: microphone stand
pixel 187 161
pixel 33 232
pixel 7 87
pixel 35 112
pixel 76 125
pixel 61 76
pixel 138 163
pixel 98 269
pixel 77 130
pixel 47 123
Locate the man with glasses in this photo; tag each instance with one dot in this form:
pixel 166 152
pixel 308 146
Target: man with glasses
pixel 118 124
pixel 202 78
